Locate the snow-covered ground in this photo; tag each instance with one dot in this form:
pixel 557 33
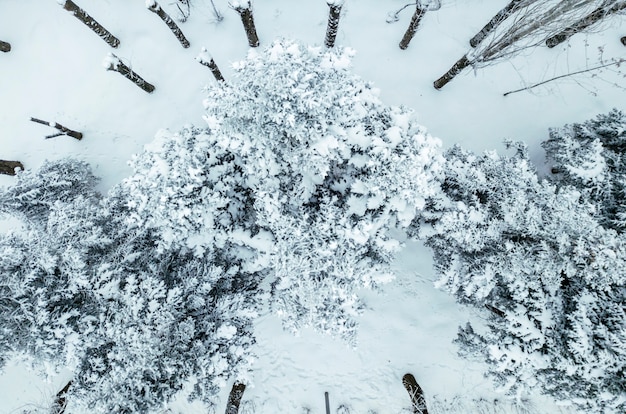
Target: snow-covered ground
pixel 54 72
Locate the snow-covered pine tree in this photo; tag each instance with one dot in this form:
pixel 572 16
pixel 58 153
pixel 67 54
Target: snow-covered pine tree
pixel 84 287
pixel 301 175
pixel 591 157
pixel 550 280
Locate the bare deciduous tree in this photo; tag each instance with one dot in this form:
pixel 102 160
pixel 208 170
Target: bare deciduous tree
pixel 333 21
pixel 205 59
pixel 89 21
pixel 495 21
pixel 587 21
pixel 244 8
pixel 112 62
pixel 9 167
pixel 421 7
pixel 154 7
pixel 63 130
pixel 4 46
pixel 529 27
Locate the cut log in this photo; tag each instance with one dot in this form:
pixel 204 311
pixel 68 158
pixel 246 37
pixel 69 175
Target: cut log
pixel 89 21
pixel 5 47
pixel 9 167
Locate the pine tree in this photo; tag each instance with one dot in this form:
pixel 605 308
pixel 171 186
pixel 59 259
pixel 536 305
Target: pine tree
pixel 549 278
pixel 590 156
pixel 83 287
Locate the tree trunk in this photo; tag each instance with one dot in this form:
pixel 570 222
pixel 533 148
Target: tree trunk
pixel 333 24
pixel 214 69
pixel 112 62
pixel 415 21
pixel 4 46
pixel 60 401
pixel 64 130
pixel 8 167
pixel 154 7
pixel 327 402
pixel 248 24
pixel 623 40
pixel 81 15
pixel 454 70
pixel 415 392
pixel 234 399
pixel 595 16
pixel 511 8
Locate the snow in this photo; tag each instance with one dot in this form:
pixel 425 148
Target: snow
pixel 53 72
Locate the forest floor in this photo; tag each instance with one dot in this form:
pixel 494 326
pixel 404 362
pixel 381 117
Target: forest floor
pixel 54 72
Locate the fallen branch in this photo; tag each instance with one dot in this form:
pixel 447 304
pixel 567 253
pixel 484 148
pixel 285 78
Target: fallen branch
pixel 8 167
pixel 64 130
pixel 614 63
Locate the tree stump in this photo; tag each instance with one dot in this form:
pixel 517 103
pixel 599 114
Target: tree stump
pixel 333 21
pixel 234 398
pixel 154 7
pixel 412 29
pixel 8 167
pixel 416 394
pixel 244 8
pixel 89 21
pixel 60 401
pixel 112 62
pixel 205 58
pixel 5 47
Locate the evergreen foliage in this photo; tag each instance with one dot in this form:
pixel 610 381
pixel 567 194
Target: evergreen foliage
pixel 591 156
pixel 550 279
pixel 294 189
pixel 82 287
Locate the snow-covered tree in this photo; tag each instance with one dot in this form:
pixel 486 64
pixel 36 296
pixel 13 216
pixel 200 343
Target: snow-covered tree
pixel 551 280
pixel 302 171
pixel 590 156
pixel 83 286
